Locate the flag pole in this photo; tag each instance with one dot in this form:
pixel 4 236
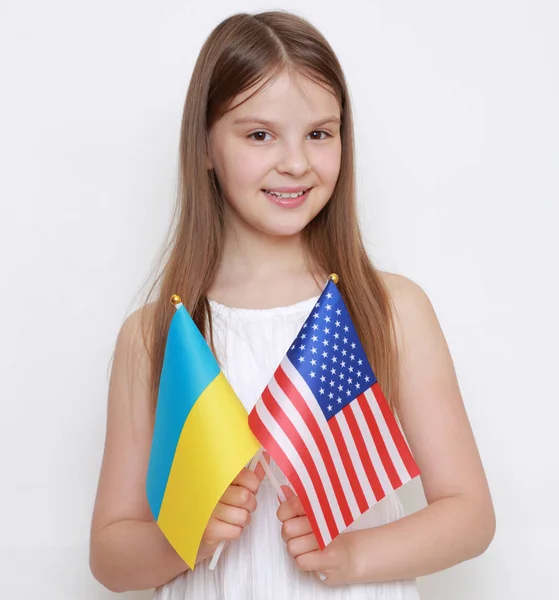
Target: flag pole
pixel 273 480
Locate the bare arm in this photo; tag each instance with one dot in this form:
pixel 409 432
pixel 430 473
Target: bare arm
pixel 459 521
pixel 127 549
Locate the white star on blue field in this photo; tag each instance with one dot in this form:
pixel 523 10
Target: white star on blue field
pixel 329 356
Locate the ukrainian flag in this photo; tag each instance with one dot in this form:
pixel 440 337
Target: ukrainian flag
pixel 201 438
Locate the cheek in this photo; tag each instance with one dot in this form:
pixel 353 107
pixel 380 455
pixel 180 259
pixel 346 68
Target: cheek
pixel 232 164
pixel 247 166
pixel 238 164
pixel 327 165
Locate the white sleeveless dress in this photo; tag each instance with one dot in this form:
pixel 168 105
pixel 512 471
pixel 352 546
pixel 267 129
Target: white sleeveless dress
pixel 250 344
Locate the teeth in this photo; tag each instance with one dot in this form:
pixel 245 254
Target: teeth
pixel 294 195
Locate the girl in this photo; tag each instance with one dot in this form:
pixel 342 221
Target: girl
pixel 266 211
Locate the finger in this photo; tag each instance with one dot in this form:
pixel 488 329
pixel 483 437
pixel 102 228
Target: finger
pixel 218 531
pixel 292 507
pixel 259 470
pixel 325 561
pixel 311 561
pixel 302 545
pixel 295 527
pixel 231 514
pixel 248 479
pixel 236 495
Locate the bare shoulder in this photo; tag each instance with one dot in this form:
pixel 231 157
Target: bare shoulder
pixel 133 334
pixel 130 378
pixel 401 287
pixel 136 324
pixel 130 381
pixel 412 306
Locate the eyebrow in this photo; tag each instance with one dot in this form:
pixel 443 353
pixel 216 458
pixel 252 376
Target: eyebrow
pixel 266 123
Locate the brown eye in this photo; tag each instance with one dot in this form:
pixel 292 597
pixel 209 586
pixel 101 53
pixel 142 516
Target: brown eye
pixel 260 133
pixel 320 131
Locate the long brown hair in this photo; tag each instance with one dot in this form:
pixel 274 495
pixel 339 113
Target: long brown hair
pixel 240 52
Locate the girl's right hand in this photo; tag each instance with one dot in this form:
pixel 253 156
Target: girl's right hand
pixel 232 513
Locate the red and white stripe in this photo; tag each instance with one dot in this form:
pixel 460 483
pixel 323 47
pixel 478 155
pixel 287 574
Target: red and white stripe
pixel 338 467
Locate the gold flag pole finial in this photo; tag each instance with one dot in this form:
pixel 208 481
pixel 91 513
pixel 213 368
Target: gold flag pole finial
pixel 334 277
pixel 176 299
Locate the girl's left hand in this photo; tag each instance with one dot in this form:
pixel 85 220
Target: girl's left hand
pixel 334 561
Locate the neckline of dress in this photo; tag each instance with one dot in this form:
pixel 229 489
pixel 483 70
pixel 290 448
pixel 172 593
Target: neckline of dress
pixel 302 305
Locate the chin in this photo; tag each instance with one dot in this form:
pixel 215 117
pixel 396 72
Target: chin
pixel 287 230
pixel 289 222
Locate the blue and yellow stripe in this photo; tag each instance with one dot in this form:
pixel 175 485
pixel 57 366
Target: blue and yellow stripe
pixel 201 438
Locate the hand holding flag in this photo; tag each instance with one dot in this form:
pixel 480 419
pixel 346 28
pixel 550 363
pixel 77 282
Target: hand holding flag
pixel 324 419
pixel 231 514
pixel 334 563
pixel 201 439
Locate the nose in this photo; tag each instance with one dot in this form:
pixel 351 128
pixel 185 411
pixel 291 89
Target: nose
pixel 294 159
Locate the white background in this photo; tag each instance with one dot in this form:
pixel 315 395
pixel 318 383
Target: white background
pixel 457 142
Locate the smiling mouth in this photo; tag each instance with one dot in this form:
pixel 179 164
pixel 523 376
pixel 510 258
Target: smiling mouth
pixel 286 196
pixel 287 201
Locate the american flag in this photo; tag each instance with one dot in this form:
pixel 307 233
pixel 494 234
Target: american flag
pixel 325 421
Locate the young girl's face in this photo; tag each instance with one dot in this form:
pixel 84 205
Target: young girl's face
pixel 285 138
